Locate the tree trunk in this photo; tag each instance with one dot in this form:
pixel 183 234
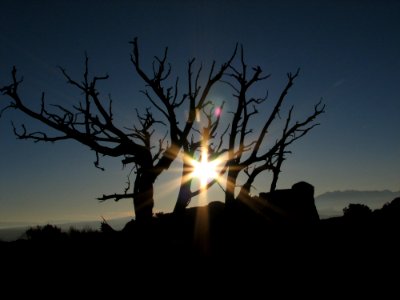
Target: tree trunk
pixel 244 193
pixel 143 201
pixel 185 193
pixel 230 188
pixel 274 181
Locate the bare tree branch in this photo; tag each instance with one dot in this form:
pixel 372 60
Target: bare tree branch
pixel 116 197
pixel 91 123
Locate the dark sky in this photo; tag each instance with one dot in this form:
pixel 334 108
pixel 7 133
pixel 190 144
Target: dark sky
pixel 348 52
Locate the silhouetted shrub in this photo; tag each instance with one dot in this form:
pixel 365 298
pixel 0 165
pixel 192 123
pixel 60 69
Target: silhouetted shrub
pixel 44 233
pixel 357 211
pixel 393 206
pixel 105 227
pixel 389 214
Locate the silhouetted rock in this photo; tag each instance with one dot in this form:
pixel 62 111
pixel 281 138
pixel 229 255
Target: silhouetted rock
pixel 295 205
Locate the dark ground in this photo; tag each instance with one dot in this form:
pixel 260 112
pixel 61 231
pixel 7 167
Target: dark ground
pixel 224 251
pixel 211 232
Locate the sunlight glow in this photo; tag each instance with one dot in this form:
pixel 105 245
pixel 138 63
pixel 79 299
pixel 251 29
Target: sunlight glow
pixel 205 170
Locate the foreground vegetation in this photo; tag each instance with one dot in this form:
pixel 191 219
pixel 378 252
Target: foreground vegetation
pixel 214 231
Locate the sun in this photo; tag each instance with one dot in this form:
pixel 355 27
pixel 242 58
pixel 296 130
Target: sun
pixel 205 170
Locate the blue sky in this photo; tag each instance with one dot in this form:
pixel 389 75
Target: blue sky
pixel 348 52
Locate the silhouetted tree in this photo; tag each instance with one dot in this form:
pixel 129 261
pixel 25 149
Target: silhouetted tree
pixel 247 150
pixel 249 153
pixel 393 205
pixel 357 211
pixel 91 122
pixel 389 214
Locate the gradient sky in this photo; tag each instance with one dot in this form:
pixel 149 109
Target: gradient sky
pixel 348 52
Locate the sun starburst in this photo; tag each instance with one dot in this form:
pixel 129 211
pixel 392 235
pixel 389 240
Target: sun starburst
pixel 205 170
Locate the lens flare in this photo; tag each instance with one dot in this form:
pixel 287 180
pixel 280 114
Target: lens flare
pixel 204 169
pixel 218 112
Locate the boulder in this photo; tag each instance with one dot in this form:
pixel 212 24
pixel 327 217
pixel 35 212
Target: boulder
pixel 295 205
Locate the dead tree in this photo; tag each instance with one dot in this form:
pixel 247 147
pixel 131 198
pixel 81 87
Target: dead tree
pixel 250 155
pixel 91 122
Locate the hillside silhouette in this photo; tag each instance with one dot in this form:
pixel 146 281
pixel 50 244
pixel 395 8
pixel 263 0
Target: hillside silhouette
pixel 208 245
pixel 215 232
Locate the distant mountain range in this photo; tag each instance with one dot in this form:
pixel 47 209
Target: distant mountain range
pixel 331 204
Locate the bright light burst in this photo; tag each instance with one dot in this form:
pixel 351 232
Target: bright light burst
pixel 205 170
